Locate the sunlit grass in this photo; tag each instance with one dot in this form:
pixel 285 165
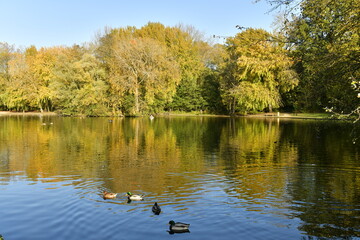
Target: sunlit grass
pixel 311 115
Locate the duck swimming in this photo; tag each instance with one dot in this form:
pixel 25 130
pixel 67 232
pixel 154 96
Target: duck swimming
pixel 108 195
pixel 156 209
pixel 134 197
pixel 178 227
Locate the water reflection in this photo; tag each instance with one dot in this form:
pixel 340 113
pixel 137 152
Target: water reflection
pixel 171 232
pixel 291 178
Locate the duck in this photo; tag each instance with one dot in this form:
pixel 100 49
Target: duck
pixel 178 227
pixel 134 196
pixel 156 209
pixel 108 195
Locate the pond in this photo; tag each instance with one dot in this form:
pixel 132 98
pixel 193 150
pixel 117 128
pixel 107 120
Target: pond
pixel 239 178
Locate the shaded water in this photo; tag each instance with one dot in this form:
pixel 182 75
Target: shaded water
pixel 229 178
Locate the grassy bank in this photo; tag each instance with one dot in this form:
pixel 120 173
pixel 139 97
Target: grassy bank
pixel 294 115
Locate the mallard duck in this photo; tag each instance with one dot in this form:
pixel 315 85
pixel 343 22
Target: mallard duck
pixel 134 197
pixel 108 195
pixel 178 227
pixel 156 209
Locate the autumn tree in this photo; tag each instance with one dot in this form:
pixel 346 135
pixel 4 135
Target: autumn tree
pixel 185 44
pixel 143 73
pixel 6 53
pixel 41 65
pixel 256 71
pixel 17 87
pixel 147 72
pixel 30 73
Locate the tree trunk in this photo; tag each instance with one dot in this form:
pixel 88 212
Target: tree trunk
pixel 136 95
pixel 41 109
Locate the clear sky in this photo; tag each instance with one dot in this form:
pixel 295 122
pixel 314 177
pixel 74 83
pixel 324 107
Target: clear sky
pixel 46 23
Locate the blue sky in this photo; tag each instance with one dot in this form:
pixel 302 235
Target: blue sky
pixel 46 23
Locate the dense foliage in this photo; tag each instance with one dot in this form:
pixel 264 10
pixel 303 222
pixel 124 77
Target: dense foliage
pixel 127 71
pixel 311 63
pixel 256 72
pixel 324 36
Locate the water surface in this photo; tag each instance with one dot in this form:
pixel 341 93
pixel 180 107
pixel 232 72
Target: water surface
pixel 229 178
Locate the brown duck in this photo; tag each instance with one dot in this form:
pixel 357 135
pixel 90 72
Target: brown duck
pixel 108 195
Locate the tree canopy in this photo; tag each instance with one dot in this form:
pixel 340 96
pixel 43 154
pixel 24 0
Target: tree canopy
pixel 324 38
pixel 310 63
pixel 256 72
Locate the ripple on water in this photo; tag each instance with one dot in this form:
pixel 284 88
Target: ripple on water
pixel 73 208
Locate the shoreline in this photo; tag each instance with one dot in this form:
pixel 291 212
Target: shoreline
pixel 320 116
pixel 9 113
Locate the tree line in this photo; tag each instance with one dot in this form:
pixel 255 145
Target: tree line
pixel 309 63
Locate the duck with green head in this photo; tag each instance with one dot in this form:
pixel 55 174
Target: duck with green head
pixel 134 197
pixel 178 227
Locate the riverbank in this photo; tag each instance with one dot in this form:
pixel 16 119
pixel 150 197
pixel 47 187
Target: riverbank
pixel 293 115
pixel 323 116
pixel 9 113
pixel 259 115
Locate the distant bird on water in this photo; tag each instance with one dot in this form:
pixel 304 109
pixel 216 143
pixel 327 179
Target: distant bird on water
pixel 134 197
pixel 156 209
pixel 108 195
pixel 178 227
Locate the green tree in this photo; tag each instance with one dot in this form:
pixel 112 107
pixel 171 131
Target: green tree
pixel 326 35
pixel 325 38
pixel 256 71
pixel 186 49
pixel 210 91
pixel 212 57
pixel 79 86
